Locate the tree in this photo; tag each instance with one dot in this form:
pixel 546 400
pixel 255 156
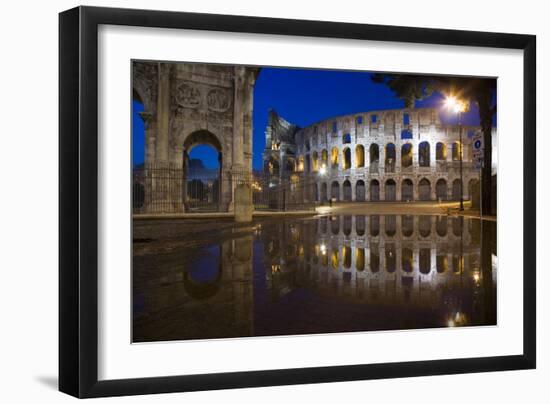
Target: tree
pixel 412 88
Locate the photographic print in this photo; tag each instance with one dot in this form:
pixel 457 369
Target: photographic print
pixel 273 201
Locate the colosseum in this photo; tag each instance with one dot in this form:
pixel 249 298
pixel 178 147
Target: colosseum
pixel 388 155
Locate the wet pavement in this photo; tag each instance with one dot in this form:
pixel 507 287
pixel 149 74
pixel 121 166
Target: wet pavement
pixel 204 279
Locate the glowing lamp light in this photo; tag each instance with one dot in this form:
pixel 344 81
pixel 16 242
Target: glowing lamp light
pixel 323 170
pixel 323 249
pixel 454 104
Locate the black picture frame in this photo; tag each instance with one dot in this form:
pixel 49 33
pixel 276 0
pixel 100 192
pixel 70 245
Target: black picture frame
pixel 78 201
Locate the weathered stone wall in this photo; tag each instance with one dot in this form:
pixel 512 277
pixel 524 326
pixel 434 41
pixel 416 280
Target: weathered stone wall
pixel 363 156
pixel 187 104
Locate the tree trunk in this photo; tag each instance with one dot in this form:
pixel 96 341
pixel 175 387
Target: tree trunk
pixel 486 121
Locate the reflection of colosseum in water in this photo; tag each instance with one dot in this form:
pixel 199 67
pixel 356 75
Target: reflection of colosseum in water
pixel 323 274
pixel 391 155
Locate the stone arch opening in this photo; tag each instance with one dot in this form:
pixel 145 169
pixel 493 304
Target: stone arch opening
pixel 324 192
pixel 374 224
pixel 407 190
pixel 335 191
pixel 315 161
pixel 347 158
pixel 440 151
pixel 424 154
pixel 457 189
pixel 360 225
pixel 441 226
pixel 425 225
pixel 360 191
pixel 202 172
pixel 374 190
pixel 360 156
pixel 389 163
pixel 334 157
pixel 424 190
pixel 406 155
pixel 347 190
pixel 374 156
pixel 407 225
pixel 407 259
pixel 425 260
pixel 441 189
pixel 324 157
pixel 391 258
pixel 456 151
pixel 360 259
pixel 390 190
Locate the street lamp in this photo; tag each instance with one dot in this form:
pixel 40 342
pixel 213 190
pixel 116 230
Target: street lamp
pixel 457 106
pixel 323 170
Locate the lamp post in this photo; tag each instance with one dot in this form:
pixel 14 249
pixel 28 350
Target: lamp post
pixel 457 107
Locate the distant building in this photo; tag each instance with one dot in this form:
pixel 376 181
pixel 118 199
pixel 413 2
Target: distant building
pixel 391 155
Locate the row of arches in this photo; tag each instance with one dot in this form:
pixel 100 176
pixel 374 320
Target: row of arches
pixel 344 159
pixel 342 258
pixel 425 191
pixel 407 226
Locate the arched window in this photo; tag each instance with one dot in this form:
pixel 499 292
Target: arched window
pixel 424 154
pixel 374 190
pixel 360 156
pixel 406 155
pixel 324 156
pixel 456 151
pixel 360 259
pixel 334 258
pixel 390 190
pixel 374 153
pixel 391 258
pixel 374 225
pixel 334 157
pixel 360 225
pixel 335 225
pixel 441 225
pixel 441 262
pixel 335 190
pixel 407 225
pixel 360 191
pixel 346 257
pixel 425 260
pixel 407 259
pixel 389 163
pixel 424 225
pixel 424 190
pixel 347 158
pixel 374 258
pixel 441 189
pixel 440 151
pixel 347 191
pixel 347 225
pixel 324 192
pixel 407 192
pixel 391 225
pixel 315 161
pixel 457 189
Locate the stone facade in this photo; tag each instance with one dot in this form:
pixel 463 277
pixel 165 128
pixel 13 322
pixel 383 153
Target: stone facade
pixel 187 104
pixel 390 155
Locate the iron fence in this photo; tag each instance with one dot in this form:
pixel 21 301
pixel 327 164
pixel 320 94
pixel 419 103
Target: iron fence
pixel 169 188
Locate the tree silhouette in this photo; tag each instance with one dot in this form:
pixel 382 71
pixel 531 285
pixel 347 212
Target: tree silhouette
pixel 412 88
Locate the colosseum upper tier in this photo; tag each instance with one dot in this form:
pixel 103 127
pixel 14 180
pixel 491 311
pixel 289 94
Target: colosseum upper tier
pixel 389 155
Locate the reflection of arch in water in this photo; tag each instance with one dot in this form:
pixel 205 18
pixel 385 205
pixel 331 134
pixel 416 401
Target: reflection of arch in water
pixel 407 225
pixel 360 225
pixel 425 260
pixel 374 225
pixel 407 259
pixel 360 259
pixel 424 225
pixel 199 281
pixel 335 225
pixel 346 256
pixel 441 225
pixel 391 258
pixel 374 258
pixel 390 225
pixel 441 261
pixel 347 225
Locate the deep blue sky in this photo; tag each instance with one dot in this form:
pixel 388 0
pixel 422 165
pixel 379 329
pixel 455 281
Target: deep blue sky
pixel 303 97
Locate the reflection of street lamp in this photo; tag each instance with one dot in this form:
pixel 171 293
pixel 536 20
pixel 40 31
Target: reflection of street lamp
pixel 458 106
pixel 323 169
